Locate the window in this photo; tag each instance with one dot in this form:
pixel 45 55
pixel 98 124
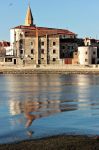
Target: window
pixel 54 43
pixel 86 53
pixel 21 44
pixel 54 59
pixel 54 51
pixel 68 47
pixel 42 43
pixel 76 53
pixel 71 37
pixel 32 51
pixel 86 60
pixel 63 47
pixel 21 36
pixel 8 59
pixel 21 51
pixel 31 43
pixel 21 41
pixel 87 43
pixel 42 51
pixel 94 53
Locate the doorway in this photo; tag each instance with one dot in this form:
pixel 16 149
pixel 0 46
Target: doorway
pixel 93 60
pixel 14 61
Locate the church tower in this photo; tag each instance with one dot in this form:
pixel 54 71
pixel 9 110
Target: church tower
pixel 29 17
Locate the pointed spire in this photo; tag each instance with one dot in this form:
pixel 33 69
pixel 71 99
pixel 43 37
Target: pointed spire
pixel 29 17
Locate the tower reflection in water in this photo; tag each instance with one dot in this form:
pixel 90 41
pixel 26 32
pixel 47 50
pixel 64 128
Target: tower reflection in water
pixel 26 98
pixel 34 109
pixel 42 97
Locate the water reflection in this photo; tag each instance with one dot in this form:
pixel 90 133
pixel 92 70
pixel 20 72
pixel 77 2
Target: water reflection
pixel 35 109
pixel 87 91
pixel 26 100
pixel 39 108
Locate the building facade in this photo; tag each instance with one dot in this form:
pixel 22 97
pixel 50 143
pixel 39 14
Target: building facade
pixel 40 45
pixel 6 53
pixel 4 46
pixel 87 55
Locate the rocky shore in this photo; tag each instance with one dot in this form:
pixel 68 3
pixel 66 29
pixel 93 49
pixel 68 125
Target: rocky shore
pixel 56 143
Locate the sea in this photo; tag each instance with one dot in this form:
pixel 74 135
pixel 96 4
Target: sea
pixel 42 105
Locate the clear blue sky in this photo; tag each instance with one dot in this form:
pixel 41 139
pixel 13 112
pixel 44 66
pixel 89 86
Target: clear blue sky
pixel 79 16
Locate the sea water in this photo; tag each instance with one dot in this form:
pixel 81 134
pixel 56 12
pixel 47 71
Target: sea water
pixel 42 105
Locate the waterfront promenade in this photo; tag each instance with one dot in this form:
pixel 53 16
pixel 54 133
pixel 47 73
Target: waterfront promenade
pixel 66 69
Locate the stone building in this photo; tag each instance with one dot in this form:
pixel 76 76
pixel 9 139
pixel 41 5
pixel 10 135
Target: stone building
pixel 40 45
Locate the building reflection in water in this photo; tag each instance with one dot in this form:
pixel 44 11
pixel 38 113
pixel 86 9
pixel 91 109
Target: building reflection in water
pixel 38 92
pixel 32 97
pixel 85 91
pixel 36 109
pixel 37 96
pixel 83 84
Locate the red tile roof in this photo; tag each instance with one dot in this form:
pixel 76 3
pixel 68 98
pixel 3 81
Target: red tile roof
pixel 45 30
pixel 4 44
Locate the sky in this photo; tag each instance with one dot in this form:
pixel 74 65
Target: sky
pixel 78 16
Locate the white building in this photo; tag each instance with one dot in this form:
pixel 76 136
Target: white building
pixel 9 51
pixel 87 55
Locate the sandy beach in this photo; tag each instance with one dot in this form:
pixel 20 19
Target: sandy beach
pixel 68 142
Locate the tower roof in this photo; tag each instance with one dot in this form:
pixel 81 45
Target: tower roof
pixel 29 17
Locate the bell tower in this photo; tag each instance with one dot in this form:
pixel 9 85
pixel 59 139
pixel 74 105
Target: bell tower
pixel 29 17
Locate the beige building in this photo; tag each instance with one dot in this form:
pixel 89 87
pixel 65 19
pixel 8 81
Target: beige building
pixel 38 45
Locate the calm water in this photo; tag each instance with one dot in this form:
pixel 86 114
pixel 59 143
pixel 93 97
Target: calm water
pixel 36 106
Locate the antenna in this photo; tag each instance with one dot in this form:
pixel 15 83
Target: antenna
pixel 29 2
pixel 96 37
